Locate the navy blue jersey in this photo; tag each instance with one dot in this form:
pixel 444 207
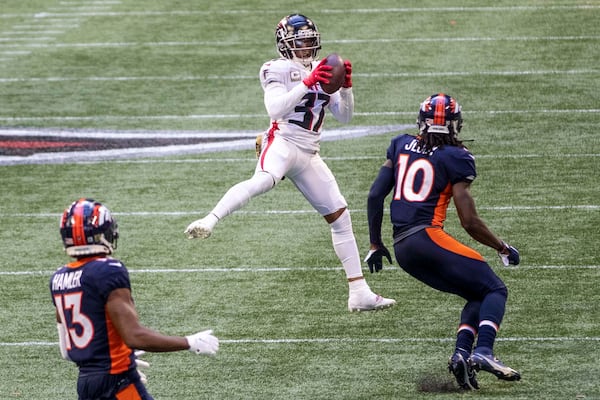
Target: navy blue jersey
pixel 80 291
pixel 423 182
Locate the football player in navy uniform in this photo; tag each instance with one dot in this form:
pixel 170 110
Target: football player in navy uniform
pixel 424 172
pixel 98 326
pixel 296 105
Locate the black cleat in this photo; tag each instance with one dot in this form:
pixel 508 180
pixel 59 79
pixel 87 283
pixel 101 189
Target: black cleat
pixel 489 363
pixel 463 372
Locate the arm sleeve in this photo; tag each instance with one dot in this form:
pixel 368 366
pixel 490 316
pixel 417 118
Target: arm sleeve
pixel 342 105
pixel 62 341
pixel 380 188
pixel 279 102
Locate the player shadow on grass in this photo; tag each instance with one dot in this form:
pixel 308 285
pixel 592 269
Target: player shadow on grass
pixel 437 384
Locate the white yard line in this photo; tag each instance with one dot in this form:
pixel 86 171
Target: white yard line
pixel 291 341
pixel 175 78
pixel 51 46
pixel 581 207
pixel 344 11
pixel 274 269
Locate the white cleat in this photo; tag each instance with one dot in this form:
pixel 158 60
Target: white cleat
pixel 198 229
pixel 368 302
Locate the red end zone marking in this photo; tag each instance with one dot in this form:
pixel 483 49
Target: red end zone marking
pixel 23 144
pixel 98 145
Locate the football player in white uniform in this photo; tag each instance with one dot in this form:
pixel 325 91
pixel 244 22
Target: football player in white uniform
pixel 296 105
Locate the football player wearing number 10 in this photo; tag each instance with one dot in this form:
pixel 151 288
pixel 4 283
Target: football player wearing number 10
pixel 425 172
pixel 296 105
pixel 98 326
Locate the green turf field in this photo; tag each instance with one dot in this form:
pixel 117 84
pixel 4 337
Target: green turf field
pixel 268 281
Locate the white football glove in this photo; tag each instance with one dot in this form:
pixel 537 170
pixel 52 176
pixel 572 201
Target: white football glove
pixel 141 364
pixel 203 343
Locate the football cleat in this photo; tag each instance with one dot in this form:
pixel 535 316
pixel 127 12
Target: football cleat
pixel 199 229
pixel 487 362
pixel 463 372
pixel 360 301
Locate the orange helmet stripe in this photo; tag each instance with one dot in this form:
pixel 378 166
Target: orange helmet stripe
pixel 439 114
pixel 78 229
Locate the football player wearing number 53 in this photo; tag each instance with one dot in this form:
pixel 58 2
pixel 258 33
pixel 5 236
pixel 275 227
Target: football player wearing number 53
pixel 425 172
pixel 296 104
pixel 98 326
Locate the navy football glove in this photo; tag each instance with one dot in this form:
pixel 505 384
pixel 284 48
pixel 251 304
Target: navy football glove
pixel 512 258
pixel 374 258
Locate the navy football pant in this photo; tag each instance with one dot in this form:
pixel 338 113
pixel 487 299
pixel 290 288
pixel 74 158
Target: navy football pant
pixel 103 386
pixel 437 259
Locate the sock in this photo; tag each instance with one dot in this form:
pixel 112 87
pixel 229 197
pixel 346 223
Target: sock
pixel 486 336
pixel 491 314
pixel 358 285
pixel 465 337
pixel 344 244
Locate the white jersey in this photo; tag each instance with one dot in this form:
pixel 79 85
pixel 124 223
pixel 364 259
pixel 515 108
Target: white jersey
pixel 297 112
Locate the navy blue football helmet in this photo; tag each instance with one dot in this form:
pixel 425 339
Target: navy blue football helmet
pixel 440 113
pixel 88 228
pixel 297 34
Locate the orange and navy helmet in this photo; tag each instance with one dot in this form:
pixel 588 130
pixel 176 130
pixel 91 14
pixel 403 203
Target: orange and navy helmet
pixel 439 113
pixel 88 228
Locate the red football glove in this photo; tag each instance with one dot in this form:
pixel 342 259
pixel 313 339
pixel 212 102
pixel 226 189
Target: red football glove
pixel 320 74
pixel 348 80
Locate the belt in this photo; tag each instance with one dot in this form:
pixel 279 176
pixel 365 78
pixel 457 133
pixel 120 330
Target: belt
pixel 398 237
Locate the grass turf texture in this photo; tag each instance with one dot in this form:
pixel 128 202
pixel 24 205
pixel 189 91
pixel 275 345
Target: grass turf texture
pixel 269 284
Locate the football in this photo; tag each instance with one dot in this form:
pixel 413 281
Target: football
pixel 338 72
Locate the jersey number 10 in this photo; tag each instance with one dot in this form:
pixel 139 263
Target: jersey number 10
pixel 407 174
